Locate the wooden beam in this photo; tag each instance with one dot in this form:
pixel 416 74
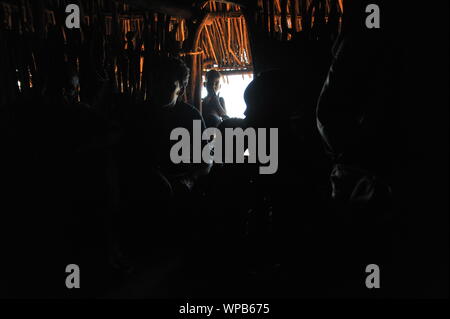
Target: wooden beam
pixel 232 15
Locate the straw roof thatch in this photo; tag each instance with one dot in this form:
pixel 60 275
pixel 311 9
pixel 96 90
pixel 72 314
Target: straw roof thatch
pixel 118 36
pixel 224 38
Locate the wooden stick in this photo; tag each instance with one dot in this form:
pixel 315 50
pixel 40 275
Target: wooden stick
pixel 293 16
pixel 241 33
pixel 277 6
pixel 210 44
pixel 223 45
pixel 272 18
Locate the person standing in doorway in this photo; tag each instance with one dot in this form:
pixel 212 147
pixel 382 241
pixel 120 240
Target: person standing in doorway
pixel 214 109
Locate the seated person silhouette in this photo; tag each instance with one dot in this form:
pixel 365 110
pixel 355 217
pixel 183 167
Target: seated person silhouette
pixel 214 109
pixel 151 183
pixel 169 79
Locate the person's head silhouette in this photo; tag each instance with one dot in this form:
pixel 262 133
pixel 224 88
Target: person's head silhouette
pixel 169 78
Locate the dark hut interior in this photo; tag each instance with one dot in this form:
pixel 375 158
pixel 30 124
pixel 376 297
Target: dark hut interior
pixel 82 186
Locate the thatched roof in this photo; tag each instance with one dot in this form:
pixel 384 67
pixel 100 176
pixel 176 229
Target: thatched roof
pixel 117 36
pixel 224 38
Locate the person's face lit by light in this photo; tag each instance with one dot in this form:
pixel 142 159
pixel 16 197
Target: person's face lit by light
pixel 213 86
pixel 165 90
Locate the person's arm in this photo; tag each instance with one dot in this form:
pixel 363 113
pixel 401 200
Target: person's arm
pixel 218 106
pixel 222 104
pixel 339 106
pixel 224 108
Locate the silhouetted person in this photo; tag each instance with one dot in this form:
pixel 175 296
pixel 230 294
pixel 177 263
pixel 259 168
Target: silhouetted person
pixel 289 200
pixel 169 79
pixel 353 108
pixel 214 109
pixel 358 118
pixel 61 167
pixel 156 190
